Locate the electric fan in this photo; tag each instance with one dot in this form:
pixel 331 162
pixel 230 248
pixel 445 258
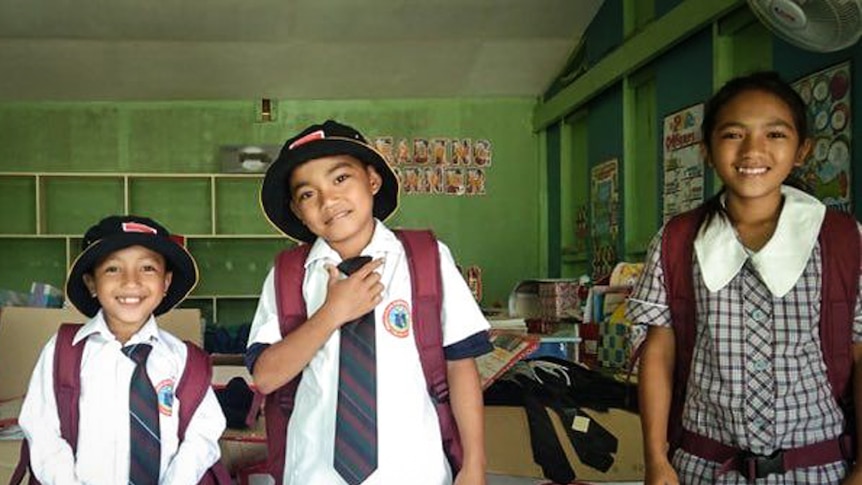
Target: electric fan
pixel 816 25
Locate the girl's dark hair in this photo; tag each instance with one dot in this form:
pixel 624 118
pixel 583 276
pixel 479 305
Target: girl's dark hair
pixel 766 81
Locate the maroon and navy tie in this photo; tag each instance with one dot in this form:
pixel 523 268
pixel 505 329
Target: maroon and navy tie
pixel 145 445
pixel 356 415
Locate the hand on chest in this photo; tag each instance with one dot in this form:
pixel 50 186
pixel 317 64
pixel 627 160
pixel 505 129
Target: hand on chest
pixel 393 317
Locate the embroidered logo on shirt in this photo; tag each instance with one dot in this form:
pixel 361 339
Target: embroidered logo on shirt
pixel 396 318
pixel 165 391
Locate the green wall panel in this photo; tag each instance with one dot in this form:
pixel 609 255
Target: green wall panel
pixel 236 311
pixel 184 137
pixel 183 205
pixel 35 260
pixel 73 204
pixel 233 266
pixel 17 205
pixel 642 204
pixel 554 148
pixel 55 137
pixel 233 215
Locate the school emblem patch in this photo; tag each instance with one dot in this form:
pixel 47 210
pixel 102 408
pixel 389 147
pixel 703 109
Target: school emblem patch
pixel 396 318
pixel 165 392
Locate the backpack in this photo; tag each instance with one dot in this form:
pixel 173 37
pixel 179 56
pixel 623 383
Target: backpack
pixel 424 263
pixel 193 386
pixel 839 247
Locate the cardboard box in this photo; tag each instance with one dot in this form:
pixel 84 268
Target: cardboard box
pixel 560 299
pixel 8 458
pixel 23 333
pixel 243 448
pixel 507 441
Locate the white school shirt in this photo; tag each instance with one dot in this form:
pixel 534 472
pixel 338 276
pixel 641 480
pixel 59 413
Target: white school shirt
pixel 409 442
pixel 103 431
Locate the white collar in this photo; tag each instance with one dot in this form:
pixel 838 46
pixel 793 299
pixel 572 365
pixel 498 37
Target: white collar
pixel 780 262
pixel 98 325
pixel 383 241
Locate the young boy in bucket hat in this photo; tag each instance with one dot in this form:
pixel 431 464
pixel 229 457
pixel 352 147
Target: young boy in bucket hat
pixel 331 190
pixel 129 423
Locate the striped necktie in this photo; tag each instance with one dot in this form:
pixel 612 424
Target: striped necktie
pixel 355 453
pixel 145 445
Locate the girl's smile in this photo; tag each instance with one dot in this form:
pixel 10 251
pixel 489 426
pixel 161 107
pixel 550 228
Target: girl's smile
pixel 754 147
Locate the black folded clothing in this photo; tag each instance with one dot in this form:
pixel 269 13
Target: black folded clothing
pixel 236 399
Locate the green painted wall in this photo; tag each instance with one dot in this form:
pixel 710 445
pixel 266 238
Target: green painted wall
pixel 690 48
pixel 498 231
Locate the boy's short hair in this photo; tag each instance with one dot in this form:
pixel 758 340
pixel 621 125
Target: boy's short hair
pixel 118 232
pixel 317 141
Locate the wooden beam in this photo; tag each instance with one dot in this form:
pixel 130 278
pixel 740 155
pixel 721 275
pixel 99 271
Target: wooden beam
pixel 657 37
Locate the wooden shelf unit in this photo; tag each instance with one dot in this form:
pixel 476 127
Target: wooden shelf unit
pixel 43 217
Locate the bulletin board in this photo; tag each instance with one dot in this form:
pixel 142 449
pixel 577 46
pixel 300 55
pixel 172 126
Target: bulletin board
pixel 604 195
pixel 827 169
pixel 683 164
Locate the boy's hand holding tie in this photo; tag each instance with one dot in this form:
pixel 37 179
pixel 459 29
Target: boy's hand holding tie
pixel 352 297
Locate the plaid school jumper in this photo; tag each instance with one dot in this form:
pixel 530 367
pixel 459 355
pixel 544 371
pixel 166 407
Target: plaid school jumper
pixel 758 380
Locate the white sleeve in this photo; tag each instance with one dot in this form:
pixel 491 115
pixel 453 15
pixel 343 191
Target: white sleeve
pixel 265 328
pixel 200 448
pixel 462 316
pixel 51 457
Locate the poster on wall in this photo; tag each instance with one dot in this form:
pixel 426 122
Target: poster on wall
pixel 683 167
pixel 437 165
pixel 604 180
pixel 827 169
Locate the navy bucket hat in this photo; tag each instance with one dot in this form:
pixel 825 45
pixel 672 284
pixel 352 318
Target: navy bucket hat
pixel 118 232
pixel 317 141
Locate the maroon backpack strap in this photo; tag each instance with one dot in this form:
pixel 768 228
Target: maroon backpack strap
pixel 67 390
pixel 289 273
pixel 67 381
pixel 677 253
pixel 23 466
pixel 194 384
pixel 423 257
pixel 839 247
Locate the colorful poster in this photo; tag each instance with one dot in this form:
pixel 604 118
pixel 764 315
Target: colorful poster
pixel 827 169
pixel 605 217
pixel 438 165
pixel 384 144
pixel 683 166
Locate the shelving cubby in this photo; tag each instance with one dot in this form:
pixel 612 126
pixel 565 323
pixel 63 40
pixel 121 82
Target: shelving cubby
pixel 43 215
